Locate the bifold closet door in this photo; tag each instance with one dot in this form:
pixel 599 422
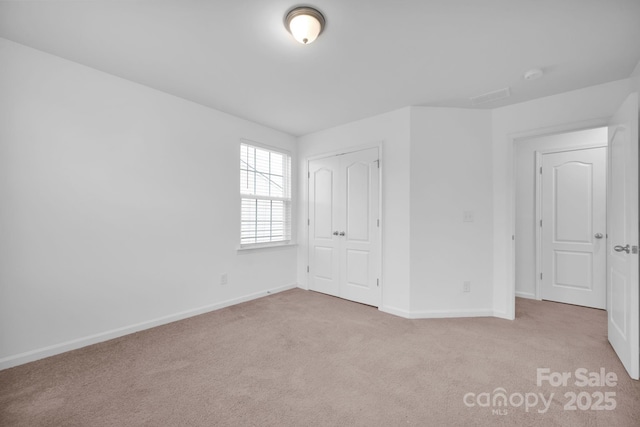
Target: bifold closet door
pixel 344 243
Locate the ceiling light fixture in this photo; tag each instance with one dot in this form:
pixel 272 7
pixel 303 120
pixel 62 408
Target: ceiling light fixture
pixel 304 23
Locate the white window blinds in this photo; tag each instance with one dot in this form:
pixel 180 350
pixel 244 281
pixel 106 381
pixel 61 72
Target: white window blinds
pixel 265 190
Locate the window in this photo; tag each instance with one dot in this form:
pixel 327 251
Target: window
pixel 265 190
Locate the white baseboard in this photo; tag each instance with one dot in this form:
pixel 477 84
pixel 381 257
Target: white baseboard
pixel 52 350
pixel 440 314
pixel 502 315
pixel 527 295
pixel 395 311
pixel 436 314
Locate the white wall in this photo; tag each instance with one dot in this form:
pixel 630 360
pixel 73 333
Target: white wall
pixel 117 213
pixel 635 78
pixel 392 130
pixel 436 163
pixel 451 173
pixel 119 207
pixel 526 227
pixel 572 110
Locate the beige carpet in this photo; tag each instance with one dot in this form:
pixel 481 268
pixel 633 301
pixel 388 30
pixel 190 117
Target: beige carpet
pixel 300 358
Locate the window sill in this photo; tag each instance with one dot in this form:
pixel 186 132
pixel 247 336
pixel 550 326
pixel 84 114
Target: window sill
pixel 259 246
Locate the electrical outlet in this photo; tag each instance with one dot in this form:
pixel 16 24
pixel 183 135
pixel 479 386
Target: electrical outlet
pixel 224 279
pixel 466 287
pixel 467 216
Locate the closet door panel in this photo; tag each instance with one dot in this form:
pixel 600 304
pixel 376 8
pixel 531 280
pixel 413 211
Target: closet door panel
pixel 324 271
pixel 359 249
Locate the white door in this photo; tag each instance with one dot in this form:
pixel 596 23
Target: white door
pixel 574 227
pixel 344 243
pixel 622 243
pixel 359 246
pixel 323 225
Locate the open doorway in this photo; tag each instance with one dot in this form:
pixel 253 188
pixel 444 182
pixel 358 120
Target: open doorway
pixel 622 213
pixel 561 217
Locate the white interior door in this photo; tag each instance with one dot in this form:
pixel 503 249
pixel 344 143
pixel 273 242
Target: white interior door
pixel 622 243
pixel 323 225
pixel 574 227
pixel 344 243
pixel 359 246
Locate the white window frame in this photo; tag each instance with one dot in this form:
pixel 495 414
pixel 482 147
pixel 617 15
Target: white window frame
pixel 287 198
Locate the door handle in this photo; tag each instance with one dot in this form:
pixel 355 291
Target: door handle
pixel 619 248
pixel 342 233
pixel 598 236
pixel 335 233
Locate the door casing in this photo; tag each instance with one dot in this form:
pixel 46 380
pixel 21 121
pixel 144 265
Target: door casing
pixel 514 138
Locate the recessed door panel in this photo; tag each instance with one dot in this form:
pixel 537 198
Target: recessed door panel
pixel 323 203
pixel 617 217
pixel 573 270
pixel 573 188
pixel 357 267
pixel 324 263
pixel 617 313
pixel 358 193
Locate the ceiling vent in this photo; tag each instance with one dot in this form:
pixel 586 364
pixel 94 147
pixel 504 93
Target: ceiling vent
pixel 491 96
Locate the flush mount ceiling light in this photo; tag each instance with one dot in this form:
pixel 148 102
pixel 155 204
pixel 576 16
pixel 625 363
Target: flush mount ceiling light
pixel 304 23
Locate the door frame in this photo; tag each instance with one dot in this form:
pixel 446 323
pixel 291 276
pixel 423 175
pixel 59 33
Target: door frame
pixel 515 138
pixel 348 150
pixel 538 203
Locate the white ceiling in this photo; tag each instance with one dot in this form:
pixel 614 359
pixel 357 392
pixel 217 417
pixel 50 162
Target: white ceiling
pixel 374 56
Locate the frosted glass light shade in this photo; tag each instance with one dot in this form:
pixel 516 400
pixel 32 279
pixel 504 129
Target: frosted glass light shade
pixel 305 24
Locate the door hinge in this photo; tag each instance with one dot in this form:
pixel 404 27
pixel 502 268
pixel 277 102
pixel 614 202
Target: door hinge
pixel 541 170
pixel 308 221
pixel 378 223
pixel 377 282
pixel 309 174
pixel 378 162
pixel 540 223
pixel 513 237
pixel 540 276
pixel 307 268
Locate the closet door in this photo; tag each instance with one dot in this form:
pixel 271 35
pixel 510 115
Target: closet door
pixel 359 247
pixel 323 225
pixel 344 243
